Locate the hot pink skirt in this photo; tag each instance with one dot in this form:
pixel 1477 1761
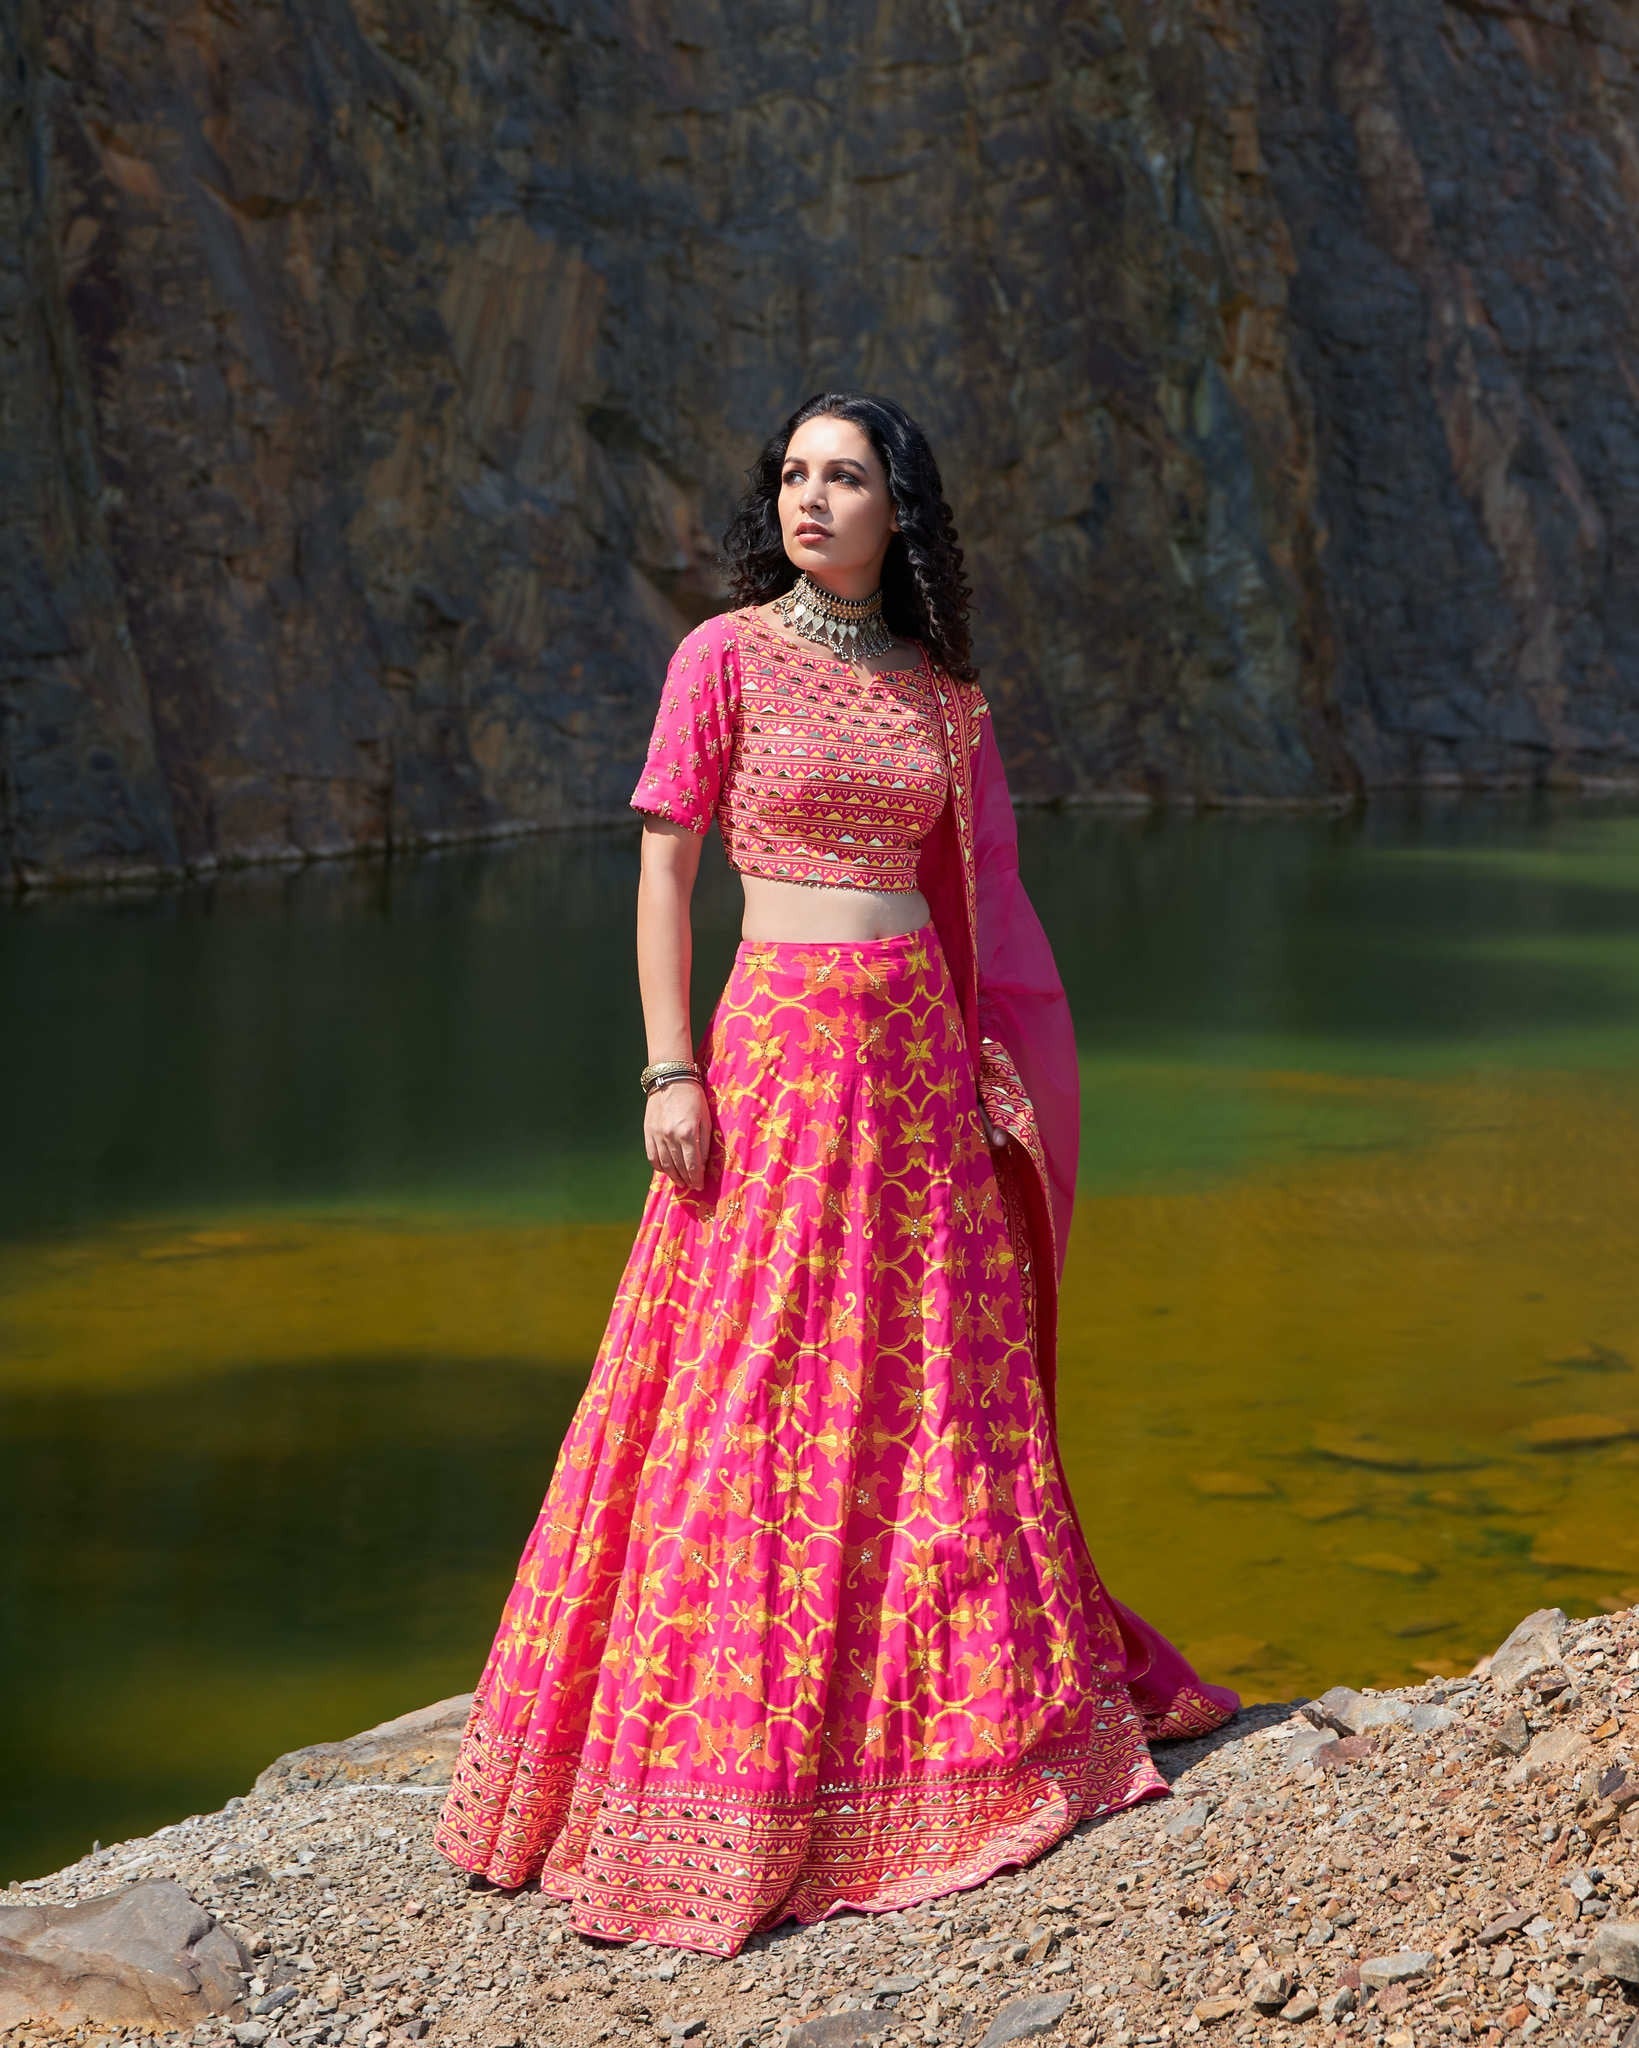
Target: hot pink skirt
pixel 806 1621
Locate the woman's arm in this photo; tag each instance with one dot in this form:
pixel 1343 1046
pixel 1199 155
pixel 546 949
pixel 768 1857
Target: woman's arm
pixel 677 1117
pixel 690 748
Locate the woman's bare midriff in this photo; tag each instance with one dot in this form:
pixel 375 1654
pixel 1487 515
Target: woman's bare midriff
pixel 806 910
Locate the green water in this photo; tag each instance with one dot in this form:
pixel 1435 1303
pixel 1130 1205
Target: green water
pixel 318 1185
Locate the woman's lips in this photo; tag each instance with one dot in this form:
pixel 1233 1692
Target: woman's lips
pixel 812 533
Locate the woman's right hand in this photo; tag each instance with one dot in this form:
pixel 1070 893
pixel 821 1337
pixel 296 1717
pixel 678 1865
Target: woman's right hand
pixel 677 1132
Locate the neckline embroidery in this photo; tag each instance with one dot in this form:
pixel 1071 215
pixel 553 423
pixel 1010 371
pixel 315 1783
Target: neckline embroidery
pixel 796 647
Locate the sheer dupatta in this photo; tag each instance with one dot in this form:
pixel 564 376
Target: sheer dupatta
pixel 1022 1045
pixel 1021 1038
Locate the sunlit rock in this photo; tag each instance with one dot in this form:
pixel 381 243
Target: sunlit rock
pixel 1363 1447
pixel 417 1748
pixel 1393 1564
pixel 1532 1645
pixel 1232 1485
pixel 1580 1432
pixel 1588 1542
pixel 146 1955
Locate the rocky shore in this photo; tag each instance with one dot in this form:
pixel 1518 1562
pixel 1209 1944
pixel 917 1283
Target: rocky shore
pixel 1453 1861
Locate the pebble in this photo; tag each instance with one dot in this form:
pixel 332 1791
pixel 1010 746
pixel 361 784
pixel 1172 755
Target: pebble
pixel 1510 1923
pixel 1269 1990
pixel 1376 1972
pixel 1511 1736
pixel 1186 1816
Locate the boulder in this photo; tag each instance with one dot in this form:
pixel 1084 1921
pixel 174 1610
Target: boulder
pixel 417 1748
pixel 1615 1950
pixel 1533 1645
pixel 1022 2017
pixel 146 1955
pixel 1554 1750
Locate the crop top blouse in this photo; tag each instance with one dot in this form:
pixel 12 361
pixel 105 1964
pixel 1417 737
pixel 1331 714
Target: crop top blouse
pixel 814 773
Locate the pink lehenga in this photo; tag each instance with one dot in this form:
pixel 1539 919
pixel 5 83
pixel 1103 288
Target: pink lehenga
pixel 807 1620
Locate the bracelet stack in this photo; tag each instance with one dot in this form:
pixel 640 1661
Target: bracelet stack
pixel 659 1072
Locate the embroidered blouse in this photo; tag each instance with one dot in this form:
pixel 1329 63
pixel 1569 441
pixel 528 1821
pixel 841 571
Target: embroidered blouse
pixel 814 773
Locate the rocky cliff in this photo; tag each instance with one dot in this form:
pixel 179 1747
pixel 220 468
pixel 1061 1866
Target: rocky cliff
pixel 379 372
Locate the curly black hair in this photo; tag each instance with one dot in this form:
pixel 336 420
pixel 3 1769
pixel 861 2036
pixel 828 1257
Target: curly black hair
pixel 924 593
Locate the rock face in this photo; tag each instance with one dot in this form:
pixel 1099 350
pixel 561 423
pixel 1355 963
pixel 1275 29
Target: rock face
pixel 146 1956
pixel 380 373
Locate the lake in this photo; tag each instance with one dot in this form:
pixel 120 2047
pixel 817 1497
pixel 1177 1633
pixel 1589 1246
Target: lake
pixel 318 1184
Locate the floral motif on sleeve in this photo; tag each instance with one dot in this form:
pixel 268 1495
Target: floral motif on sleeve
pixel 692 743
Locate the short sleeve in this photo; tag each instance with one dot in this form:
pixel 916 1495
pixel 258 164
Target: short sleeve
pixel 692 743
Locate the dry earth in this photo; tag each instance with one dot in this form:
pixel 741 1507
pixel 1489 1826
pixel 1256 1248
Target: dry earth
pixel 1454 1861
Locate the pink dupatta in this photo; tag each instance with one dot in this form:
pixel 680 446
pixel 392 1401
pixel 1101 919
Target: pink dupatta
pixel 1027 1071
pixel 1017 1015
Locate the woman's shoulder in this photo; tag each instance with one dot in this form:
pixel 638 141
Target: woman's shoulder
pixel 712 638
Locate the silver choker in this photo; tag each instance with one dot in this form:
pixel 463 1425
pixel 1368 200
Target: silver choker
pixel 850 626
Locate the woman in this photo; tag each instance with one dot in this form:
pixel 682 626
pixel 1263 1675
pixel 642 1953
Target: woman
pixel 807 1620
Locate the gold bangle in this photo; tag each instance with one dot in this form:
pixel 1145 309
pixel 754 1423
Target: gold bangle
pixel 668 1070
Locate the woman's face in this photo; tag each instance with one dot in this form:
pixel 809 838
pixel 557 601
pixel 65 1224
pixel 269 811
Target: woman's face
pixel 835 511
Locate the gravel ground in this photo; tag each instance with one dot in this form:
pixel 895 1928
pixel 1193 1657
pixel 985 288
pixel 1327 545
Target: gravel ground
pixel 1439 1876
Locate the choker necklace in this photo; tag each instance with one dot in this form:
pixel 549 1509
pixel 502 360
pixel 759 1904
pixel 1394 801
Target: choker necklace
pixel 850 626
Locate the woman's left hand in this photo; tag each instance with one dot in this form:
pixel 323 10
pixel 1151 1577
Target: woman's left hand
pixel 993 1132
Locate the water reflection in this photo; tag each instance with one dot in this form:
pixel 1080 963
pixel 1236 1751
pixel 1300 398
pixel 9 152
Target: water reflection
pixel 319 1186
